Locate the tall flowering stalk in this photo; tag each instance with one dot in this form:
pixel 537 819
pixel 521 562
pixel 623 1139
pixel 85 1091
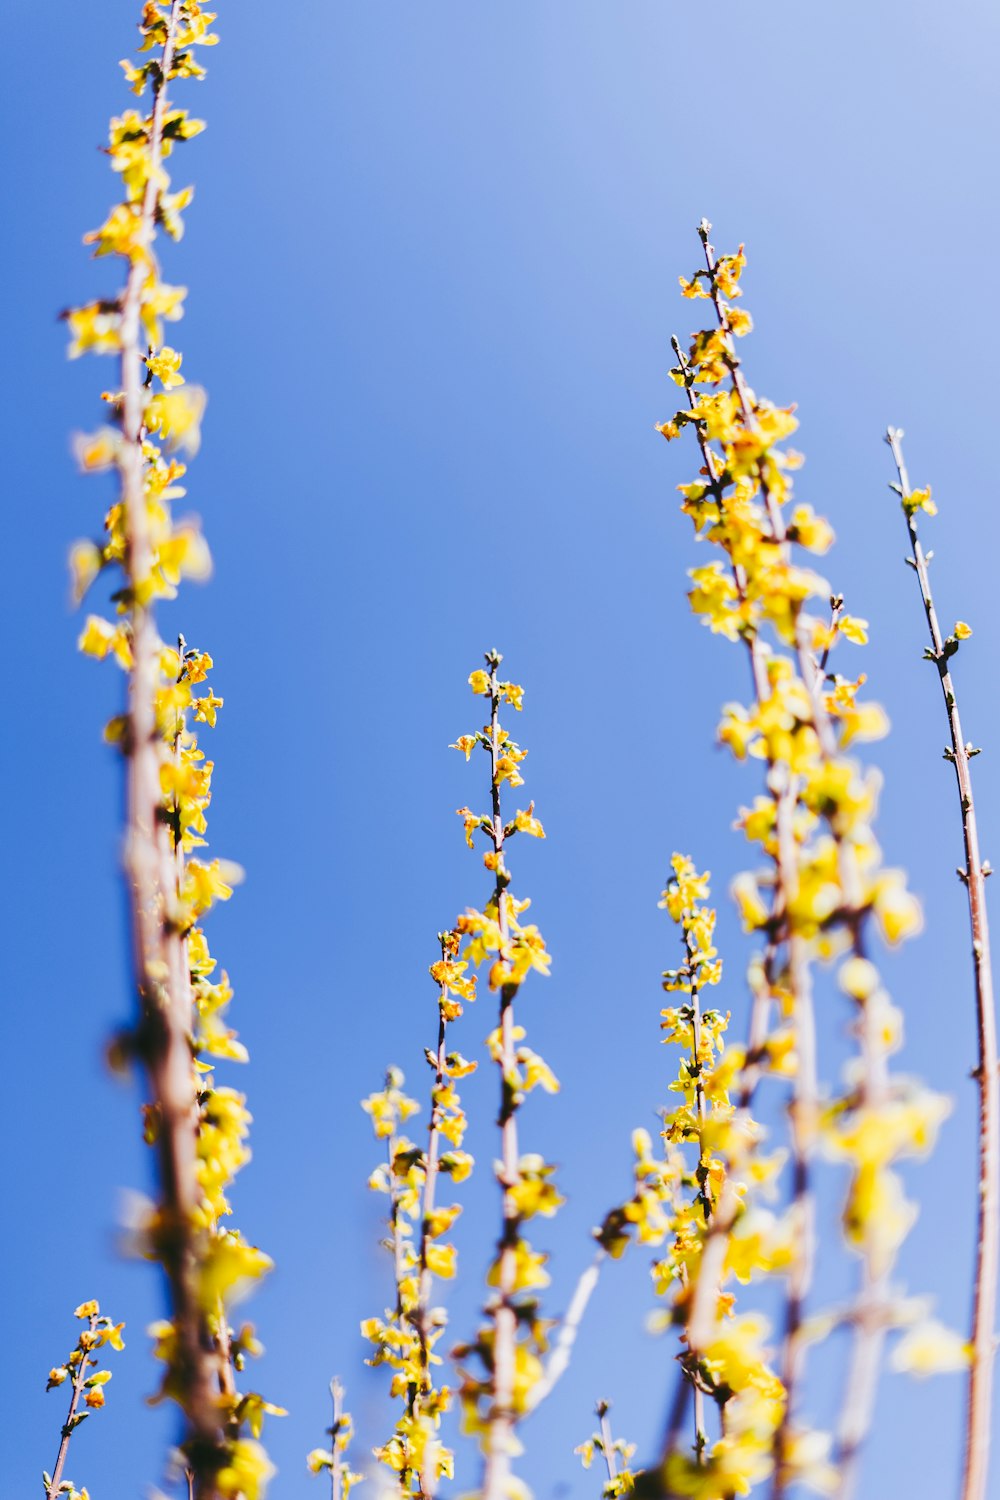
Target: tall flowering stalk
pixel 821 891
pixel 197 1127
pixel 511 1343
pixel 982 1341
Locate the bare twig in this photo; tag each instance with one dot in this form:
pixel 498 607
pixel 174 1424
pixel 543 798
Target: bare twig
pixel 983 1333
pixel 562 1344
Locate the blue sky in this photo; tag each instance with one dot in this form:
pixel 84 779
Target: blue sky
pixel 433 261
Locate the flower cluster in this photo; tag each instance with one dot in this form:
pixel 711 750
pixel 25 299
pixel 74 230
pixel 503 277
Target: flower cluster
pixel 406 1337
pixel 822 890
pixel 700 1200
pixel 511 1343
pixel 198 1126
pixel 87 1382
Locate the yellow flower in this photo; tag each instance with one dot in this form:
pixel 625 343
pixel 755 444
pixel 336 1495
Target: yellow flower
pixel 176 417
pixel 479 682
pixel 526 822
pixel 245 1475
pixel 96 451
pixel 919 500
pixel 85 562
pixel 99 638
pixel 962 631
pixel 96 329
pixel 853 628
pixel 931 1349
pixel 166 367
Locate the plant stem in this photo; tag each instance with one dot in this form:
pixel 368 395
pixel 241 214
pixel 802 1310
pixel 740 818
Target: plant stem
pixel 79 1377
pixel 152 864
pixel 336 1477
pixel 607 1441
pixel 501 1422
pixel 983 1332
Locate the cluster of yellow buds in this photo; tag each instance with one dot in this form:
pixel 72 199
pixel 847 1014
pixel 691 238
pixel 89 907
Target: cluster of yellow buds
pixel 511 1343
pixel 406 1337
pixel 87 1384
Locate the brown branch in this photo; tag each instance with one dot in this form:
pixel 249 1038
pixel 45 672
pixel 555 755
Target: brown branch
pixel 153 864
pixel 502 1418
pixel 983 1332
pixel 420 1318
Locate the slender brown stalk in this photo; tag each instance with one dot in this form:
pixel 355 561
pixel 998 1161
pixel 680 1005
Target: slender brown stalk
pixel 700 1429
pixel 502 1418
pixel 420 1318
pixel 153 867
pixel 983 1332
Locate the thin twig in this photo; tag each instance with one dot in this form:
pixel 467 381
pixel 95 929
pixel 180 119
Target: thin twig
pixel 983 1331
pixel 565 1338
pixel 607 1441
pixel 336 1476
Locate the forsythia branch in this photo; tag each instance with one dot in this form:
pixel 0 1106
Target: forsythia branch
pixel 983 1333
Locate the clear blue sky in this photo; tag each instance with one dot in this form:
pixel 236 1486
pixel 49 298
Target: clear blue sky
pixel 433 265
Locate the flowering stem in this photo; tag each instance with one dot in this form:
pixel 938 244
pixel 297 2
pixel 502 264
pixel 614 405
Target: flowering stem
pixel 336 1476
pixel 420 1317
pixel 607 1441
pixel 691 950
pixel 79 1377
pixel 501 1420
pixel 153 863
pixel 805 1089
pixel 982 1338
pixel 785 793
